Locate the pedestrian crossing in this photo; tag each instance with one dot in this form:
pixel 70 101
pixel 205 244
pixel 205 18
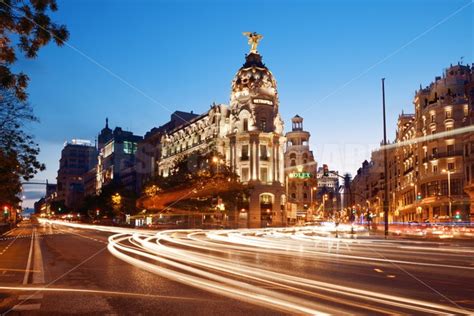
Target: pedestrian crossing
pixel 28 302
pixel 29 236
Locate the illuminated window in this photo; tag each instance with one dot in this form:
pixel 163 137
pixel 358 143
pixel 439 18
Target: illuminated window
pixel 108 149
pixel 129 147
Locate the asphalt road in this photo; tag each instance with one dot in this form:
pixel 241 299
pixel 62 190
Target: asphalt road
pixel 60 268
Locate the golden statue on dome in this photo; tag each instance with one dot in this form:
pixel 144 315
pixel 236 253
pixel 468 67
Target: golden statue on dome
pixel 254 38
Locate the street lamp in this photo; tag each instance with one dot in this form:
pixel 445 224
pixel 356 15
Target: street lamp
pixel 449 189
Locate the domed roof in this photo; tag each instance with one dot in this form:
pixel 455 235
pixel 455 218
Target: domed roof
pixel 254 75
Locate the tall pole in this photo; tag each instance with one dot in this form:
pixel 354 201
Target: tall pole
pixel 385 200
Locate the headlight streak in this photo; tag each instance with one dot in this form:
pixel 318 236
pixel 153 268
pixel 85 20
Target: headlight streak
pixel 198 258
pixel 248 293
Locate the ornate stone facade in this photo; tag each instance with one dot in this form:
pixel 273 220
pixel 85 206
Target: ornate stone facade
pixel 300 171
pixel 248 133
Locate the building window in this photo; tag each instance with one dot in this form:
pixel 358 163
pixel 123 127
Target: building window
pixel 263 174
pixel 451 165
pixel 450 150
pixel 245 152
pixel 448 114
pixel 305 196
pixel 263 152
pixel 433 118
pixel 245 174
pixel 129 148
pixel 108 149
pixel 435 168
pixel 293 195
pixel 246 125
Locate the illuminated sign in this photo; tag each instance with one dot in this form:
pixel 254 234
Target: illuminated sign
pixel 262 101
pixel 300 175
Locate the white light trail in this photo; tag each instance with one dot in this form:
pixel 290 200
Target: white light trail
pixel 206 260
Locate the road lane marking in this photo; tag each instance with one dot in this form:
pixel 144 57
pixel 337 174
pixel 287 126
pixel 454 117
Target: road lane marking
pixel 26 307
pixel 17 270
pixel 38 277
pixel 378 270
pixel 95 292
pixel 36 296
pixel 30 255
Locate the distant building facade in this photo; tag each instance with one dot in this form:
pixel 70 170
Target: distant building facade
pixel 77 158
pixel 430 148
pixel 300 172
pixel 116 159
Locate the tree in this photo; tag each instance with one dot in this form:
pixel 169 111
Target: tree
pixel 18 151
pixel 25 27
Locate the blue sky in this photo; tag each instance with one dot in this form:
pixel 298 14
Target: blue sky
pixel 327 56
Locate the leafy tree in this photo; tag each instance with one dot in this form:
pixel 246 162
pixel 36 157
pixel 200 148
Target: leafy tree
pixel 25 27
pixel 18 150
pixel 104 202
pixel 205 172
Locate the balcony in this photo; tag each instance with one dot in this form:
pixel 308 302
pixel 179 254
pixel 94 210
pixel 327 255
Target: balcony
pixel 449 121
pixel 408 171
pixel 298 147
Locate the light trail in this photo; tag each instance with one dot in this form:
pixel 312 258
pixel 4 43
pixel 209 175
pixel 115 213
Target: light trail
pixel 207 260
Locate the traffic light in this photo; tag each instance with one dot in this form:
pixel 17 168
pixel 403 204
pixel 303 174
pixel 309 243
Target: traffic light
pixel 457 215
pixel 325 170
pixel 418 197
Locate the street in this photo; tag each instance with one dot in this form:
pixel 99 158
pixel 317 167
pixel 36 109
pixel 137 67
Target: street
pixel 56 267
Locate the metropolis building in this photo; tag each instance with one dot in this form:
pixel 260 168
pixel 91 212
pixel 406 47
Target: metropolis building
pixel 248 133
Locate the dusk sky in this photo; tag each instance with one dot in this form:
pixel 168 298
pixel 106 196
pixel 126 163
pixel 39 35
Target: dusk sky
pixel 135 62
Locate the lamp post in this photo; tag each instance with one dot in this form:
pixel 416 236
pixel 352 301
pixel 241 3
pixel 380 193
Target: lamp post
pixel 385 200
pixel 449 190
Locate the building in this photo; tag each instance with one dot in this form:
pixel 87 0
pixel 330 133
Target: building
pixel 77 158
pixel 300 172
pixel 248 133
pixel 149 149
pixel 116 159
pixel 469 149
pixel 430 162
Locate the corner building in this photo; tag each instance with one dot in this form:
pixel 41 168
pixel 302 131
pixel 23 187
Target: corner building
pixel 249 134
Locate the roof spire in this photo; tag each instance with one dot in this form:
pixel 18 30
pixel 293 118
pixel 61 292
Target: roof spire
pixel 106 122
